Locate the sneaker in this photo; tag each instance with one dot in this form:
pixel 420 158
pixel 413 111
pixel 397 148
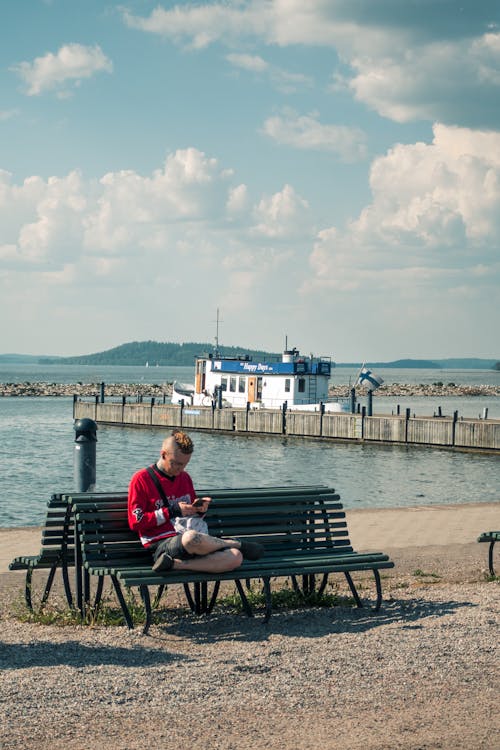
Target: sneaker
pixel 163 562
pixel 251 550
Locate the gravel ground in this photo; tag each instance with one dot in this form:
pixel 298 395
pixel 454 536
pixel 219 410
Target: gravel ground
pixel 422 674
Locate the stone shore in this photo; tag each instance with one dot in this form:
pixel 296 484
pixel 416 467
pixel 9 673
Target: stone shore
pixel 159 390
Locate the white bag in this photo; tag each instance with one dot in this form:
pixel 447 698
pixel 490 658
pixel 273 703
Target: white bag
pixel 183 523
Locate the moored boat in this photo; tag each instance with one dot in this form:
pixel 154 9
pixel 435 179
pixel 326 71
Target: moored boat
pixel 297 380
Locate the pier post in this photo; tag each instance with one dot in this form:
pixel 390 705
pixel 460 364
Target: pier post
pixel 103 385
pixel 353 400
pixel 406 424
pixel 370 403
pixel 454 427
pixel 283 417
pixel 85 455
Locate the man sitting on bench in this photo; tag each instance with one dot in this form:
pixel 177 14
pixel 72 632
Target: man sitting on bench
pixel 164 491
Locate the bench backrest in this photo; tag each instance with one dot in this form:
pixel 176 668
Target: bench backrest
pixel 283 519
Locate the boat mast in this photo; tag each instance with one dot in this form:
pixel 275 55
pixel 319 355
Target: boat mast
pixel 217 334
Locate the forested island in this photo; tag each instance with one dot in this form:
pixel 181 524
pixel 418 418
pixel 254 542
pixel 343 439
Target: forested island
pixel 140 353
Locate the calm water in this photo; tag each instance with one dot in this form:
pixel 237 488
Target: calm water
pixel 37 448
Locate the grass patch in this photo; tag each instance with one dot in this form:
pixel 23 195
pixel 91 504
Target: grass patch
pixel 491 579
pixel 107 614
pixel 418 573
pixel 284 598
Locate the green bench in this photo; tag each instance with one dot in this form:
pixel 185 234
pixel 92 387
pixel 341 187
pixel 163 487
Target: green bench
pixel 57 550
pixel 491 537
pixel 304 531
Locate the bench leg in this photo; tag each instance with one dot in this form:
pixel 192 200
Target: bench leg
pixel 490 557
pixel 27 589
pixel 379 589
pixel 67 587
pixel 269 603
pixel 159 594
pixel 213 598
pixel 48 585
pixel 98 593
pixel 309 584
pixel 144 591
pixel 244 601
pixel 354 592
pixel 123 603
pixel 198 598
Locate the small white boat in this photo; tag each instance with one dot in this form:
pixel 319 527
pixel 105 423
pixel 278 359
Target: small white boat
pixel 182 393
pixel 299 381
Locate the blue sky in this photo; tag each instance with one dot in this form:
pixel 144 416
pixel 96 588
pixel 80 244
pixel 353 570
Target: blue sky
pixel 325 171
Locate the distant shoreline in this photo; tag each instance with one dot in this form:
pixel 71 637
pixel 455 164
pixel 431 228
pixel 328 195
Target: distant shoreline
pixel 43 389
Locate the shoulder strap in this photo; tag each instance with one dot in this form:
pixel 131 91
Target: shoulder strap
pixel 154 476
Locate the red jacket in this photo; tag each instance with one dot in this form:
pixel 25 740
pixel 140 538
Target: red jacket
pixel 147 513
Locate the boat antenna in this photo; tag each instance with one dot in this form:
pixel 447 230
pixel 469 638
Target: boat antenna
pixel 216 352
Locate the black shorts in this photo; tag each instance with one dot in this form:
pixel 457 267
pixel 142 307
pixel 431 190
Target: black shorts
pixel 172 545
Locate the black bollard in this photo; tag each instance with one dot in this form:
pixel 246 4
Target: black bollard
pixel 370 403
pixel 85 455
pixel 103 387
pixel 353 400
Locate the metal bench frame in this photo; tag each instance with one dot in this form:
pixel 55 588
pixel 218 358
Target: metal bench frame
pixel 303 529
pixel 492 537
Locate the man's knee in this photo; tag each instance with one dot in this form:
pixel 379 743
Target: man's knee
pixel 234 558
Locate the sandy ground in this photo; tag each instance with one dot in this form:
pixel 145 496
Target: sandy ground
pixel 422 674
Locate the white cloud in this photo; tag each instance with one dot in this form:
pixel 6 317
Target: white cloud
pixel 284 214
pixel 406 61
pixel 307 133
pixel 253 63
pixel 8 114
pixel 237 200
pixel 434 220
pixel 69 66
pixel 281 79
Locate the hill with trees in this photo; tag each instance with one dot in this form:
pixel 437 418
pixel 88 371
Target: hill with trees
pixel 155 353
pixel 138 353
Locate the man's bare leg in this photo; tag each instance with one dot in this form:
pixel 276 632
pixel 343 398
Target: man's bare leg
pixel 197 543
pixel 215 562
pixel 212 555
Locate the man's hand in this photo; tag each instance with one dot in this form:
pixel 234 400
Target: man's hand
pixel 198 507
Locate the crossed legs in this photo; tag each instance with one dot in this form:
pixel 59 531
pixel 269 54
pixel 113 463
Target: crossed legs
pixel 203 553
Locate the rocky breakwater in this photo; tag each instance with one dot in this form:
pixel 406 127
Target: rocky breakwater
pixel 85 389
pixel 145 390
pixel 414 389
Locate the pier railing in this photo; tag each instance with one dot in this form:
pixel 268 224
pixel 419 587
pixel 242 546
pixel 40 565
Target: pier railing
pixel 446 432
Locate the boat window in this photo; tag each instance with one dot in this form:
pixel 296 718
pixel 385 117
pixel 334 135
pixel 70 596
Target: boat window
pixel 302 385
pixel 232 384
pixel 287 385
pixel 241 385
pixel 223 384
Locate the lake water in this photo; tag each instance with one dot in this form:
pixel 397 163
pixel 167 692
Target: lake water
pixel 37 453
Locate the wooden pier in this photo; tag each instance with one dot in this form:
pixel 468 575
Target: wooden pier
pixel 444 432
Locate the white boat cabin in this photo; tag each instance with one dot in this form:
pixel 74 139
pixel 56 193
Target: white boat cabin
pixel 297 380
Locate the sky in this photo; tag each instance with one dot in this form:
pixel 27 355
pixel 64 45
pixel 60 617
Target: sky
pixel 325 174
